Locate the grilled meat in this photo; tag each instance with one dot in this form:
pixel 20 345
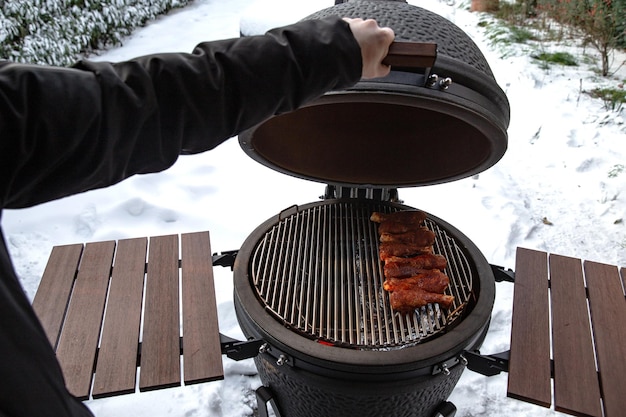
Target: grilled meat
pixel 393 227
pixel 413 273
pixel 414 217
pixel 397 267
pixel 419 236
pixel 409 299
pixel 429 280
pixel 390 249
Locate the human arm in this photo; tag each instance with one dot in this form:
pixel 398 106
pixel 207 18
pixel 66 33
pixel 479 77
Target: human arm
pixel 64 131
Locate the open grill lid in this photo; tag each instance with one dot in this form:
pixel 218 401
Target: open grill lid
pixel 420 125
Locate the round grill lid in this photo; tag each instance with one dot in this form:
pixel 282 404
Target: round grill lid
pixel 410 128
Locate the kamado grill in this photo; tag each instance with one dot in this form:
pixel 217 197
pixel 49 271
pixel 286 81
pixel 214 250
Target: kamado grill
pixel 308 282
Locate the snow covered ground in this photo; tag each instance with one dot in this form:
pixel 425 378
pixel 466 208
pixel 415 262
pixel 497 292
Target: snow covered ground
pixel 560 188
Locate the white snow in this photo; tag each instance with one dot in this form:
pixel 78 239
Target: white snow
pixel 560 188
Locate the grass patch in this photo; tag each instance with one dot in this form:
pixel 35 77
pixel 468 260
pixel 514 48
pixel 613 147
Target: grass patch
pixel 504 33
pixel 616 170
pixel 561 58
pixel 613 99
pixel 521 35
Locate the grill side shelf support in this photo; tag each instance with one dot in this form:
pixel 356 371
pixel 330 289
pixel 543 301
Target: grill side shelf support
pixel 235 349
pixel 488 365
pixel 225 259
pixel 501 273
pixel 239 350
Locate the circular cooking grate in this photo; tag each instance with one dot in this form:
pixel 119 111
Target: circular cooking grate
pixel 317 271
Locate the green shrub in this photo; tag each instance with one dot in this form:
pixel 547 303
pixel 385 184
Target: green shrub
pixel 602 22
pixel 599 23
pixel 57 32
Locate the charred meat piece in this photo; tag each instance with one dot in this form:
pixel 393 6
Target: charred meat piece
pixel 389 249
pixel 410 299
pixel 393 227
pixel 412 217
pixel 420 236
pixel 430 280
pixel 396 267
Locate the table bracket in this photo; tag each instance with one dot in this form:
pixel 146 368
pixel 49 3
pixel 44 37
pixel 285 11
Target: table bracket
pixel 488 365
pixel 239 350
pixel 225 259
pixel 501 273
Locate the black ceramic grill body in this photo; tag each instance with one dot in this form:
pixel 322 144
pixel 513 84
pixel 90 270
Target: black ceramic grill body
pixel 401 130
pixel 309 378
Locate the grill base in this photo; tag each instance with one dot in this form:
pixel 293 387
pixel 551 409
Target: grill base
pixel 300 393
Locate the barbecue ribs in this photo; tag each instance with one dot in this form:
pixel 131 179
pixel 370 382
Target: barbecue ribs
pixel 396 266
pixel 429 280
pixel 414 274
pixel 408 300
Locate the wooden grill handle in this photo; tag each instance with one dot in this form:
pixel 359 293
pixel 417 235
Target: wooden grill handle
pixel 411 55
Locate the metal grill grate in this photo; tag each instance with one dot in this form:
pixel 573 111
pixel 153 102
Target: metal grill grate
pixel 318 272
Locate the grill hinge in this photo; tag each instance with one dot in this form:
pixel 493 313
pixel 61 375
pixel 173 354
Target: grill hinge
pixel 488 365
pixel 333 192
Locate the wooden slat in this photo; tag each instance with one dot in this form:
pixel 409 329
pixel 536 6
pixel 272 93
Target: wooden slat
pixel 160 351
pixel 50 302
pixel 608 312
pixel 116 370
pixel 529 365
pixel 78 342
pixel 623 274
pixel 576 384
pixel 201 342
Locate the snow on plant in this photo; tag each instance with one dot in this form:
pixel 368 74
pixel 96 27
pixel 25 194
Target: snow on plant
pixel 57 32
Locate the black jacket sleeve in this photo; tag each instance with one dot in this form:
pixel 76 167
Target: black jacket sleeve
pixel 68 130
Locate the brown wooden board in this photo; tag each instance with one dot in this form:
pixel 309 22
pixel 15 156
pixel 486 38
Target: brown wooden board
pixel 78 342
pixel 50 302
pixel 576 384
pixel 529 364
pixel 608 312
pixel 413 55
pixel 160 350
pixel 201 341
pixel 116 370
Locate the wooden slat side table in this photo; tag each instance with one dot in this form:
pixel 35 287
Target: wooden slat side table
pixel 568 325
pixel 109 308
